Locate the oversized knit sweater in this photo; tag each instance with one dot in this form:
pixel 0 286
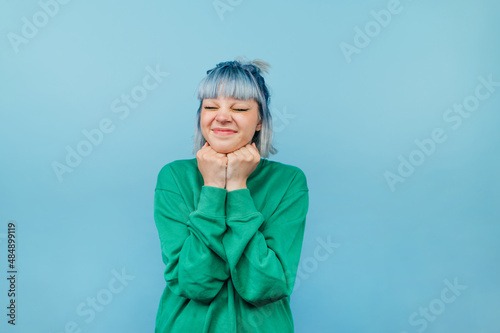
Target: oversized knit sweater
pixel 231 256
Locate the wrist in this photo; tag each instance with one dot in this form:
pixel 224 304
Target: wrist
pixel 214 185
pixel 236 186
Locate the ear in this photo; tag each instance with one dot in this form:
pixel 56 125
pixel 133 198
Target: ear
pixel 259 126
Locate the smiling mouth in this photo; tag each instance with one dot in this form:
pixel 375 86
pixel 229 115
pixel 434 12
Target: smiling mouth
pixel 223 132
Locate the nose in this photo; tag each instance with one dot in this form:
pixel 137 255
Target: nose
pixel 223 115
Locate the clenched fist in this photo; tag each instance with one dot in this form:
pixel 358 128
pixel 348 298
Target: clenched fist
pixel 212 166
pixel 240 164
pixel 229 171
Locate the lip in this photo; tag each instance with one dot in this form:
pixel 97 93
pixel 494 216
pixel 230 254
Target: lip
pixel 223 131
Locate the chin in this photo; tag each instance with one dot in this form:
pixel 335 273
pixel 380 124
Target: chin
pixel 223 149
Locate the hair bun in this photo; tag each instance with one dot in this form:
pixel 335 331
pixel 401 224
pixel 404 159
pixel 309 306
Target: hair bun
pixel 261 65
pixel 257 64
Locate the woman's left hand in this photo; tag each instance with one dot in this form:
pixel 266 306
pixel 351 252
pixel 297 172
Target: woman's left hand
pixel 240 164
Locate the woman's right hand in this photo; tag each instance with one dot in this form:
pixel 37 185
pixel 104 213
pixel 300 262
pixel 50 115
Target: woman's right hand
pixel 212 165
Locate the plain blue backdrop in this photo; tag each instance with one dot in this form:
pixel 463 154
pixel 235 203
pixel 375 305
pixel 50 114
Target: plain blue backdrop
pixel 391 108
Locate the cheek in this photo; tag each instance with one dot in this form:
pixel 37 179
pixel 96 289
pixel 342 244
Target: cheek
pixel 205 120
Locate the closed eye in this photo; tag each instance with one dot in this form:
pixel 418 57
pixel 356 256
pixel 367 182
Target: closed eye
pixel 210 108
pixel 241 109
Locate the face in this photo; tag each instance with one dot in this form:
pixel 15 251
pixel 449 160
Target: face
pixel 228 123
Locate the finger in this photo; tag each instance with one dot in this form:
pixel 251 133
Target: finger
pixel 254 151
pixel 247 148
pixel 239 152
pixel 211 150
pixel 244 154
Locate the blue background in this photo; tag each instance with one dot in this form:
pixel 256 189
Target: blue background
pixel 344 120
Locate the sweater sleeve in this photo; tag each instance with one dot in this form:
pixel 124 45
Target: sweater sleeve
pixel 263 263
pixel 191 241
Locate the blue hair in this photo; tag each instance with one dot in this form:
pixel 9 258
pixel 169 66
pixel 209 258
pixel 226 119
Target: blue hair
pixel 239 79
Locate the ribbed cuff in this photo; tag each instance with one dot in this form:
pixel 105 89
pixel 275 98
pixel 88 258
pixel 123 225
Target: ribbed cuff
pixel 239 204
pixel 212 201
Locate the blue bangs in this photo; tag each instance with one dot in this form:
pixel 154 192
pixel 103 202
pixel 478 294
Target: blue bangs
pixel 229 81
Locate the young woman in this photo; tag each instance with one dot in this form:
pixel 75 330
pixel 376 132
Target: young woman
pixel 230 221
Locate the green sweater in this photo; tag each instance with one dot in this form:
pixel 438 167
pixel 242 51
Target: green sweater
pixel 231 257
